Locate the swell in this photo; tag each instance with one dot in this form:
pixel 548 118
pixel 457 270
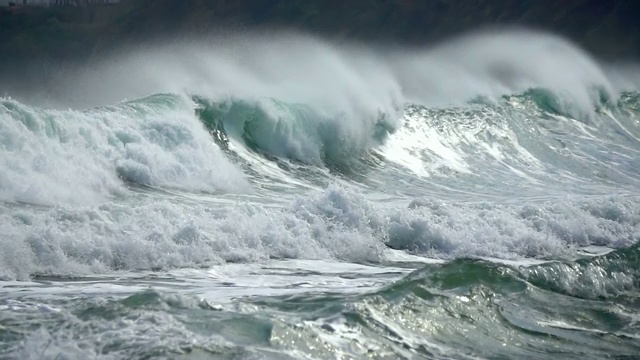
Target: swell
pixel 612 275
pixel 469 308
pixel 466 308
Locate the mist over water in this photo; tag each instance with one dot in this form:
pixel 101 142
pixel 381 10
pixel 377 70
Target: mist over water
pixel 348 77
pixel 352 92
pixel 490 116
pixel 484 178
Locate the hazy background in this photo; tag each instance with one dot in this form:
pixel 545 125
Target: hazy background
pixel 42 42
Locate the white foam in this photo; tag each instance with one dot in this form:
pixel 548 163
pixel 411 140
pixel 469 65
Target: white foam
pixel 77 157
pixel 153 331
pixel 590 280
pixel 465 140
pixel 350 88
pixel 145 233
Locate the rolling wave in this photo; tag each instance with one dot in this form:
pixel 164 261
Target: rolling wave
pixel 461 201
pixel 345 163
pixel 293 131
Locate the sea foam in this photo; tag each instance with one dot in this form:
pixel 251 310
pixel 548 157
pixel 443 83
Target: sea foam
pixel 80 157
pixel 337 223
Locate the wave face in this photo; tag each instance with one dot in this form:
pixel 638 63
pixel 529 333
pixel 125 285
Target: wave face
pixel 293 131
pixel 506 176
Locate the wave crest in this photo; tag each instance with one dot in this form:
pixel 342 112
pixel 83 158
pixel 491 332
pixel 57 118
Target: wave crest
pixel 295 131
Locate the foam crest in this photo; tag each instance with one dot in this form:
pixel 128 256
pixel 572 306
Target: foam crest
pixel 344 94
pixel 155 234
pixel 500 63
pixel 337 223
pixel 348 88
pixel 547 230
pixel 81 157
pixel 610 275
pixel 291 130
pixel 464 140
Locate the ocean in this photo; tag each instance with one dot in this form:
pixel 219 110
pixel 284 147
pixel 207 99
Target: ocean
pixel 278 196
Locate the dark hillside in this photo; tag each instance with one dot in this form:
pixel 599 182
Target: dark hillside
pixel 609 29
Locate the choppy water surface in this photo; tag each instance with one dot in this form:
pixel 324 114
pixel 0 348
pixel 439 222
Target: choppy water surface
pixel 340 203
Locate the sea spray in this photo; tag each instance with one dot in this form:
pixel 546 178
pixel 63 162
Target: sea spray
pixel 295 198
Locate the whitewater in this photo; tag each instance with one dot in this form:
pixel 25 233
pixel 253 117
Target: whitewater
pixel 278 196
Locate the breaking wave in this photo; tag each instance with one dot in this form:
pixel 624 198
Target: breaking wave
pixel 342 153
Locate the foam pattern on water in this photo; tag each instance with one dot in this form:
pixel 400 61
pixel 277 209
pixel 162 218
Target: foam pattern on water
pixel 337 223
pixel 82 157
